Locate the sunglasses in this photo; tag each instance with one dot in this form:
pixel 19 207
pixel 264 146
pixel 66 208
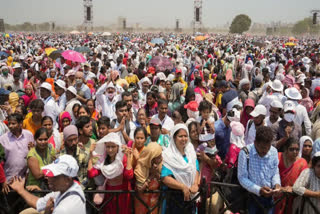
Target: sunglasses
pixel 294 149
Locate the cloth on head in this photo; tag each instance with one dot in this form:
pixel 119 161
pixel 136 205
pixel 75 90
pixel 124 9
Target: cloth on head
pixel 69 131
pixel 237 134
pixel 176 90
pixel 301 141
pixel 142 169
pixel 172 159
pixel 233 102
pixel 62 116
pixel 244 118
pixel 115 168
pixel 27 99
pixel 243 82
pixel 13 100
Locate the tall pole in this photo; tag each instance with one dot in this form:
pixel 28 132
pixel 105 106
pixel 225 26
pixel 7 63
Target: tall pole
pixel 88 15
pixel 197 21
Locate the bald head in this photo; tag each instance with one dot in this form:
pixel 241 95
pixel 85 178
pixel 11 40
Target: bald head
pixel 79 78
pixel 79 75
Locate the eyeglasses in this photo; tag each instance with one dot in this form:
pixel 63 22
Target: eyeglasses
pixel 294 149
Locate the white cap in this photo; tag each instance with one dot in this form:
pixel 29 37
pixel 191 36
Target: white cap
pixel 64 165
pixel 289 106
pixel 111 85
pixel 61 84
pixel 70 73
pixel 317 154
pixel 73 90
pixel 277 85
pixel 46 86
pixel 17 65
pixel 276 104
pixel 293 93
pixel 259 110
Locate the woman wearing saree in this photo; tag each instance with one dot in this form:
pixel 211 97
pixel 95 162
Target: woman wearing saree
pixel 147 174
pixel 290 167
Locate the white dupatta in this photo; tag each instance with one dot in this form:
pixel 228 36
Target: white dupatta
pixel 172 159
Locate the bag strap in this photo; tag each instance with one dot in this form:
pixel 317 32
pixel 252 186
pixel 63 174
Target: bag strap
pixel 250 124
pixel 69 194
pixel 113 123
pixel 246 151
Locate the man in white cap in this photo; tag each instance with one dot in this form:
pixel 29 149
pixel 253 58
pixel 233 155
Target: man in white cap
pixel 60 88
pixel 287 127
pixel 88 75
pixel 50 107
pixel 274 113
pixel 302 116
pixel 107 101
pixel 259 113
pixel 5 77
pixel 277 90
pixel 67 195
pixel 71 96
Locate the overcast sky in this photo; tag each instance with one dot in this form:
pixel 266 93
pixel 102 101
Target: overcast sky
pixel 156 13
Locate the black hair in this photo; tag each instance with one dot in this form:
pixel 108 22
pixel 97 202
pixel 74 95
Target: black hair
pixel 197 81
pixel 290 141
pixel 16 116
pixel 92 100
pixel 193 123
pixel 264 134
pixel 104 121
pixel 76 105
pixel 82 121
pixel 46 118
pixel 40 131
pixel 162 102
pixel 141 129
pixel 37 103
pixel 86 108
pixel 205 105
pixel 125 94
pixel 120 104
pixel 315 160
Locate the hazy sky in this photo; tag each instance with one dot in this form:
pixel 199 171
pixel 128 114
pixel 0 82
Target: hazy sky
pixel 156 13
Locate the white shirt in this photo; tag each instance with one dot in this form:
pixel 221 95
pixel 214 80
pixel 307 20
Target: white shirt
pixel 51 109
pixel 61 102
pixel 250 134
pixel 89 76
pixel 302 117
pixel 72 204
pixel 6 80
pixel 108 108
pixel 167 123
pixel 131 135
pixel 267 100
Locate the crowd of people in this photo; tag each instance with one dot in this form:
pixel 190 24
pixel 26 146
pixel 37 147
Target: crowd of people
pixel 128 113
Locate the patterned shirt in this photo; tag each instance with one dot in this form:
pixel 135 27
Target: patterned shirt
pixel 163 141
pixel 263 171
pixel 82 157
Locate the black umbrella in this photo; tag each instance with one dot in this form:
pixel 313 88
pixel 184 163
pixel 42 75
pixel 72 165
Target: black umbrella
pixel 55 54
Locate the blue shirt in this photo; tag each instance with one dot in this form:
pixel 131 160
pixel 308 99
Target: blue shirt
pixel 167 172
pixel 222 136
pixel 263 171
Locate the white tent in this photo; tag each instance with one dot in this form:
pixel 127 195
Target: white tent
pixel 106 34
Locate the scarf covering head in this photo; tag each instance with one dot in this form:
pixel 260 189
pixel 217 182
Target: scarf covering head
pixel 13 100
pixel 237 134
pixel 27 99
pixel 115 168
pixel 176 91
pixel 142 169
pixel 172 159
pixel 301 141
pixel 63 115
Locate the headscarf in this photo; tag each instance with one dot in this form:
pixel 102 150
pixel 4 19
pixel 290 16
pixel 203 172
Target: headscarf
pixel 13 100
pixel 316 99
pixel 176 91
pixel 237 134
pixel 63 115
pixel 114 169
pixel 301 141
pixel 27 99
pixel 244 118
pixel 172 159
pixel 142 169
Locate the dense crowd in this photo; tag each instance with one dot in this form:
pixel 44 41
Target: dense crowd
pixel 158 111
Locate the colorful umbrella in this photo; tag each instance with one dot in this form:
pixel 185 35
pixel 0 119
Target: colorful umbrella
pixel 73 56
pixel 7 36
pixel 82 49
pixel 90 33
pixel 55 54
pixel 157 41
pixel 292 39
pixel 161 63
pixel 200 38
pixel 290 44
pixel 49 50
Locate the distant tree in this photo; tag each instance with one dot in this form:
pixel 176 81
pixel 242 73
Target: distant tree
pixel 240 24
pixel 305 26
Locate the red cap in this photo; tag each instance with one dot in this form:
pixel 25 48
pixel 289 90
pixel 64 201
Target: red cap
pixel 192 105
pixel 178 71
pixel 151 70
